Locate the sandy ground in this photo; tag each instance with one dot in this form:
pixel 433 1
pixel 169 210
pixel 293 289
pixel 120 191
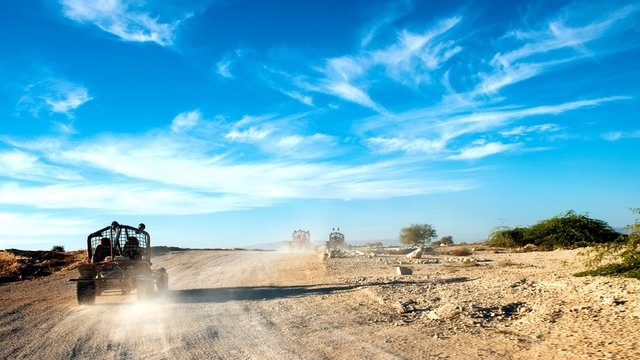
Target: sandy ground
pixel 267 305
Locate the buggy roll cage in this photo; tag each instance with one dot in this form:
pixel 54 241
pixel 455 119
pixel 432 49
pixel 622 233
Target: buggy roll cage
pixel 117 235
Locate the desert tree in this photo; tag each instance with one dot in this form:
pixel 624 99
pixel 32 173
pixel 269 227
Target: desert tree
pixel 417 234
pixel 446 240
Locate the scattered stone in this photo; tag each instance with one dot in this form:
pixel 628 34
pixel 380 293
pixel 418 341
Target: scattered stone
pixel 339 253
pixel 401 270
pixel 612 301
pixel 406 306
pixel 432 315
pixel 417 254
pixel 447 311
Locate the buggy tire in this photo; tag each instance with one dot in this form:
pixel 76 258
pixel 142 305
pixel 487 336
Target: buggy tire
pixel 162 281
pixel 86 292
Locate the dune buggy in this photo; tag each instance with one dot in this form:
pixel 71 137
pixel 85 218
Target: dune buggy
pixel 336 240
pixel 119 259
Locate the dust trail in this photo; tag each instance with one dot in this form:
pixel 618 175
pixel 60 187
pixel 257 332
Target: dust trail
pixel 198 318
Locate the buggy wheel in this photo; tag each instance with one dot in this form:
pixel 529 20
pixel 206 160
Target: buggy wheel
pixel 162 281
pixel 86 292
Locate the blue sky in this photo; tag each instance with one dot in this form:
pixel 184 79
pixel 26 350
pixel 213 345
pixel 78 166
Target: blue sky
pixel 230 123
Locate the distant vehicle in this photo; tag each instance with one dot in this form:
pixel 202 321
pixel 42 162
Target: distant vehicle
pixel 301 239
pixel 301 236
pixel 336 239
pixel 119 259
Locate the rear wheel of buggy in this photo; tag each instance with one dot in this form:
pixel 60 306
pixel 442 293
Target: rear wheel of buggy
pixel 162 281
pixel 145 289
pixel 86 292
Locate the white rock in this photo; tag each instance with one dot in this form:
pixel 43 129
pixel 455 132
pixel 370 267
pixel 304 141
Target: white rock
pixel 416 254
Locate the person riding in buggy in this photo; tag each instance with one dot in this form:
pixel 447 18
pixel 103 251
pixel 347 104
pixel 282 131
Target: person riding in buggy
pixel 119 259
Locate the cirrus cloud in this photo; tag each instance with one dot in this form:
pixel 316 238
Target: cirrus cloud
pixel 120 18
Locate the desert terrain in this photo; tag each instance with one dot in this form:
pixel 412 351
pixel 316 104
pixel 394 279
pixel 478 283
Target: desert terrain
pixel 279 305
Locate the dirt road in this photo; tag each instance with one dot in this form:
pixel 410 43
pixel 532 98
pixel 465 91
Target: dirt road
pixel 266 305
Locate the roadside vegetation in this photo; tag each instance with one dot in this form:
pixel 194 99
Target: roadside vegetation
pixel 445 240
pixel 16 265
pixel 566 231
pixel 618 258
pixel 417 234
pixel 610 253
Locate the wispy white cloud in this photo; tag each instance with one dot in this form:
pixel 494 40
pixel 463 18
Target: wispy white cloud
pixel 545 49
pixel 294 86
pixel 295 141
pixel 186 121
pixel 123 198
pixel 67 100
pixel 620 135
pixel 316 146
pixel 353 94
pixel 432 131
pixel 409 60
pixel 414 55
pixel 122 19
pixel 36 226
pixel 166 173
pixel 305 99
pixel 478 151
pixel 524 130
pixel 55 95
pixel 389 145
pixel 65 128
pixel 223 68
pixel 21 165
pixel 249 135
pixel 396 10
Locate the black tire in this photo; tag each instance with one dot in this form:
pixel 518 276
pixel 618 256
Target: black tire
pixel 162 281
pixel 86 292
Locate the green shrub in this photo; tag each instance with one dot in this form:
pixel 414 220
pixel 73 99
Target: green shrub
pixel 57 248
pixel 569 230
pixel 506 237
pixel 613 270
pixel 618 258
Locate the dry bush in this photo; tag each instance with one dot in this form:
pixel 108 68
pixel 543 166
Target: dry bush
pixel 459 264
pixel 506 262
pixel 469 264
pixel 8 263
pixel 460 252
